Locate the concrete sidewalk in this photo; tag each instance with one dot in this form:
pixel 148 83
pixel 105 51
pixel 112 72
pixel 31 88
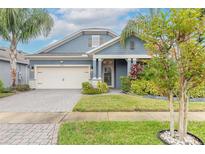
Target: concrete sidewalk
pixel 55 118
pixel 128 116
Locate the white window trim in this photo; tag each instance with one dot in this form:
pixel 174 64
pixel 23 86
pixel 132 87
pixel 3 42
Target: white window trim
pixel 97 37
pixel 112 68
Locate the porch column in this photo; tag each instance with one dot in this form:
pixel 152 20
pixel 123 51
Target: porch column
pixel 99 69
pixel 94 69
pixel 134 61
pixel 128 65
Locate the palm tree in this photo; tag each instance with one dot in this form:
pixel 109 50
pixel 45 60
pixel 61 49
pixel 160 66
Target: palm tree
pixel 22 25
pixel 134 26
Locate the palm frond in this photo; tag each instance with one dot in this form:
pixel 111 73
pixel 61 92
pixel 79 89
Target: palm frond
pixel 24 24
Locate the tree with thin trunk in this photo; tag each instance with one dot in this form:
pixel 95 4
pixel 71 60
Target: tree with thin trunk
pixel 176 37
pixel 22 25
pixel 162 67
pixel 186 26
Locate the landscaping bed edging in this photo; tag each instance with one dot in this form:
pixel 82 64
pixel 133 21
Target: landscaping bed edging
pixel 200 142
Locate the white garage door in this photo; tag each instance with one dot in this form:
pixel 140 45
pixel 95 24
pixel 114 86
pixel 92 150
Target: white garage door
pixel 69 77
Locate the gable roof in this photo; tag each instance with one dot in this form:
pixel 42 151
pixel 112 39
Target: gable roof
pixel 4 55
pixel 103 46
pixel 75 35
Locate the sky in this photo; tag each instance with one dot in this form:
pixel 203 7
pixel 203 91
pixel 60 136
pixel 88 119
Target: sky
pixel 67 21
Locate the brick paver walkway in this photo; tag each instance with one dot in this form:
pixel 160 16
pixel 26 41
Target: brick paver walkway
pixel 15 134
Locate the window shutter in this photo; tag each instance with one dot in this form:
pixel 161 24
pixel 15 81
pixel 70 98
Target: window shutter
pixel 101 40
pixel 90 41
pixel 132 44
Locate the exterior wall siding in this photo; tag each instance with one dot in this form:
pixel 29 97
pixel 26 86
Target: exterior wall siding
pixel 57 62
pixel 120 70
pixel 117 49
pixel 5 74
pixel 78 45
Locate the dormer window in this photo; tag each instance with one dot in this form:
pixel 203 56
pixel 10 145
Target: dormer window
pixel 95 40
pixel 132 44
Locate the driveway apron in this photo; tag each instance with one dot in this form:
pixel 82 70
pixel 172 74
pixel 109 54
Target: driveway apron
pixel 41 101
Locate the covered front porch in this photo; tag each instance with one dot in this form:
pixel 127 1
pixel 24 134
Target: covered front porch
pixel 110 69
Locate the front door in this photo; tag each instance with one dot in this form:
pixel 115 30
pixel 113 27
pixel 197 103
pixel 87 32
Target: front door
pixel 108 73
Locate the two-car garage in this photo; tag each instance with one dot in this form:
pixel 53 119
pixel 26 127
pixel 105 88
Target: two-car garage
pixel 61 77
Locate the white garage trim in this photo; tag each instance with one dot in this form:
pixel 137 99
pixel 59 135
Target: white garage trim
pixel 36 67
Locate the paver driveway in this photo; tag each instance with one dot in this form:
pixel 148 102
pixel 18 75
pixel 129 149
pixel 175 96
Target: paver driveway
pixel 16 134
pixel 41 101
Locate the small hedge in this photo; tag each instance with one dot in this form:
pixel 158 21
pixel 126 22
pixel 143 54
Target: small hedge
pixel 87 88
pixel 125 83
pixel 102 87
pixel 144 87
pixel 22 87
pixel 198 92
pixel 1 86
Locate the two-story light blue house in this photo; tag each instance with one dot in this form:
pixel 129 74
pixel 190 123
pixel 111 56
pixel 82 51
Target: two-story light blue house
pixel 90 54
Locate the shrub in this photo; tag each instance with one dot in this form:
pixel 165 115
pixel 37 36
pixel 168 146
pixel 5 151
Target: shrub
pixel 102 87
pixel 22 87
pixel 7 90
pixel 139 87
pixel 198 91
pixel 87 88
pixel 144 87
pixel 1 86
pixel 125 83
pixel 136 69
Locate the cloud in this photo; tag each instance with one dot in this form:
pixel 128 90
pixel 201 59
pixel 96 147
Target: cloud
pixel 70 20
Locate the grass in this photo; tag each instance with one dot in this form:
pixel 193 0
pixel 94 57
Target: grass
pixel 144 133
pixel 129 103
pixel 5 94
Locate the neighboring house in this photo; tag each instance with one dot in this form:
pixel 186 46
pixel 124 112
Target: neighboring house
pixel 5 70
pixel 92 54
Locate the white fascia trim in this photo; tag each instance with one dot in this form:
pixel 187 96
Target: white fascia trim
pixel 71 37
pixel 61 65
pixel 100 29
pixel 58 57
pixel 103 46
pixel 121 56
pixel 60 42
pixel 8 60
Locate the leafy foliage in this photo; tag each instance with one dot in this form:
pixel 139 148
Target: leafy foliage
pixel 22 87
pixel 198 91
pixel 102 87
pixel 87 88
pixel 24 24
pixel 144 87
pixel 135 71
pixel 125 83
pixel 1 86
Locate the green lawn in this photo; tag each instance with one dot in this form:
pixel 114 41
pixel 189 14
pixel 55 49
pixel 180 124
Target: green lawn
pixel 5 94
pixel 100 103
pixel 119 132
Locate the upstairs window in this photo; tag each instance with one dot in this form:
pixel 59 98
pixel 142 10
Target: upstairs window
pixel 132 44
pixel 95 40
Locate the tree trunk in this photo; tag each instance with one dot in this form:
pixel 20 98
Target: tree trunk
pixel 186 115
pixel 183 92
pixel 171 109
pixel 13 60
